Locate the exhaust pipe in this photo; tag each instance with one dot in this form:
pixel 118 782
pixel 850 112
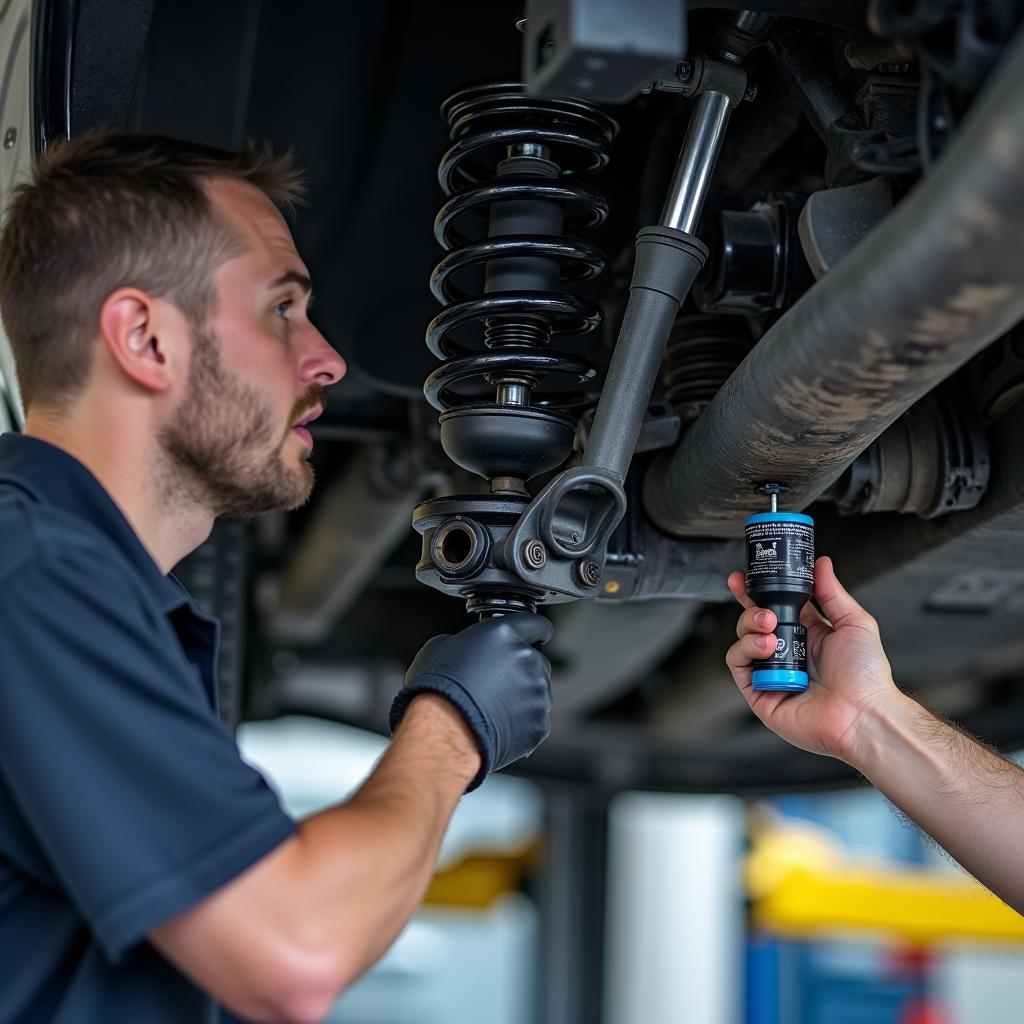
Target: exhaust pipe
pixel 936 281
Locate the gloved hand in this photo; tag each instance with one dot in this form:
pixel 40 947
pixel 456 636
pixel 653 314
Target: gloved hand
pixel 496 678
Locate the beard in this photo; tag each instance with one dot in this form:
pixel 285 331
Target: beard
pixel 225 451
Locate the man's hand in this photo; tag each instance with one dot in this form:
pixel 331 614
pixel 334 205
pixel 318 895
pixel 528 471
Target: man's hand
pixel 497 680
pixel 847 667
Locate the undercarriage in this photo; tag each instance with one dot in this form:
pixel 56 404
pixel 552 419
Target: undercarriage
pixel 598 281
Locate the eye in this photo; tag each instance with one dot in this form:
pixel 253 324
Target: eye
pixel 281 309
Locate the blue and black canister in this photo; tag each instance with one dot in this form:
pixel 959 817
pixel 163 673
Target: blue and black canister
pixel 780 577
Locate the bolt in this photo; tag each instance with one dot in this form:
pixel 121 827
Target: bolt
pixel 684 71
pixel 588 572
pixel 575 537
pixel 612 587
pixel 10 138
pixel 751 94
pixel 535 555
pixel 769 487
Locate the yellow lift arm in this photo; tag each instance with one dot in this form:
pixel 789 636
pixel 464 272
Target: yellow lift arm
pixel 799 885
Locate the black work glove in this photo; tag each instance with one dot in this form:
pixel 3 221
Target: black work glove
pixel 496 678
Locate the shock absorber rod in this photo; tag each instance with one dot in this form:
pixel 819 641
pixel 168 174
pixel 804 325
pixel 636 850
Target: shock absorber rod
pixel 668 258
pixel 697 160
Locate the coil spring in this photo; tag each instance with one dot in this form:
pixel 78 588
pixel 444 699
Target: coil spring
pixel 508 161
pixel 701 354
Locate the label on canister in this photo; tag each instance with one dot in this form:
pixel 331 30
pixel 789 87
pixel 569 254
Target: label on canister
pixel 790 648
pixel 778 548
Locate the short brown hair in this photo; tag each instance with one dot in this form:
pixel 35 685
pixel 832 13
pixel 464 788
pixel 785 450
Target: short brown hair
pixel 109 211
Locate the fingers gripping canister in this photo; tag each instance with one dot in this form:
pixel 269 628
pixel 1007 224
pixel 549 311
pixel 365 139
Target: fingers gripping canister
pixel 780 577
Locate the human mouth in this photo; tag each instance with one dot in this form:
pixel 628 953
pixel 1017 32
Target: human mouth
pixel 300 428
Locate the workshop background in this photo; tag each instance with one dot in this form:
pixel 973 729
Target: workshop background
pixel 825 908
pixel 561 902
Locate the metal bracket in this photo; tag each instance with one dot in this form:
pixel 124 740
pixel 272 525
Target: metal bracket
pixel 701 74
pixel 602 50
pixel 573 517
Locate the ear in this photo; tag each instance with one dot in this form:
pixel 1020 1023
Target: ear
pixel 140 337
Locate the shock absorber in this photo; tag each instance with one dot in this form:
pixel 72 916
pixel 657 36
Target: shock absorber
pixel 504 390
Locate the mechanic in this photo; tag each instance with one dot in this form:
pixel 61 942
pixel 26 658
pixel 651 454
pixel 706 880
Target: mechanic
pixel 965 795
pixel 158 314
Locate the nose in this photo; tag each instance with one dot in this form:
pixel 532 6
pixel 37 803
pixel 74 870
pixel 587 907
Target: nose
pixel 320 363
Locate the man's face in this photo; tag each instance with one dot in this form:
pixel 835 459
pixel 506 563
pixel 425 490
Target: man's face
pixel 237 456
pixel 258 368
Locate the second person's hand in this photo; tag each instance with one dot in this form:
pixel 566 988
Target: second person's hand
pixel 847 666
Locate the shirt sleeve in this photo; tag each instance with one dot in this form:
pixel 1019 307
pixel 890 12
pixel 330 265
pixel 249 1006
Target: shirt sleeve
pixel 130 783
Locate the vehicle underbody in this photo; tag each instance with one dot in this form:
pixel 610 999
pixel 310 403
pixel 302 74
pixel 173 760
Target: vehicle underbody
pixel 853 335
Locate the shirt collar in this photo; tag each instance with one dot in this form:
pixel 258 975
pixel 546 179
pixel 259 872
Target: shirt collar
pixel 57 479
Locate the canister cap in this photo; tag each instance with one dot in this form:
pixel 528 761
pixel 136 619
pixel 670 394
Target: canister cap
pixel 784 679
pixel 780 517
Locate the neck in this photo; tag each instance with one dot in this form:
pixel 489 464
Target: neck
pixel 131 468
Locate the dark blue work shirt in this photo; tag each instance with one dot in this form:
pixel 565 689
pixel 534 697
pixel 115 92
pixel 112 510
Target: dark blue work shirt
pixel 123 799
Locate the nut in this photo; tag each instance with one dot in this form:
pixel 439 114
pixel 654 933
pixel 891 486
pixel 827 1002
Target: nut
pixel 535 555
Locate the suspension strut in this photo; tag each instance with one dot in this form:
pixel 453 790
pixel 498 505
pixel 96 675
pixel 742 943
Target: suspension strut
pixel 515 158
pixel 512 168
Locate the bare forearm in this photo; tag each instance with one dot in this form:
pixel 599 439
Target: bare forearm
pixel 965 796
pixel 366 864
